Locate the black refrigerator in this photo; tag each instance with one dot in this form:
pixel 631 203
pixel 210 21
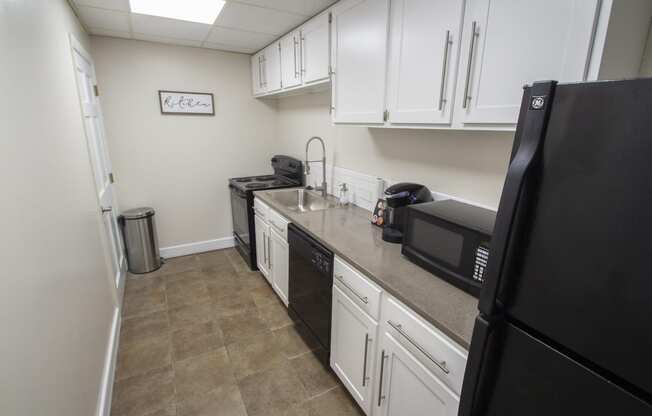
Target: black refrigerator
pixel 565 323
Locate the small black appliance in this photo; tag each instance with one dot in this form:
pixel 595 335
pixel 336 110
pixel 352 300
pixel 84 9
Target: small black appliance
pixel 451 240
pixel 288 172
pixel 398 197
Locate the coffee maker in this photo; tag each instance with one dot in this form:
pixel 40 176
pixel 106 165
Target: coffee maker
pixel 398 197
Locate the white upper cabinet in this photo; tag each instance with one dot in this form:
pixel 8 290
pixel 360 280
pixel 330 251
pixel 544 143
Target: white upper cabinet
pixel 423 56
pixel 291 59
pixel 257 73
pixel 272 72
pixel 359 60
pixel 315 49
pixel 509 43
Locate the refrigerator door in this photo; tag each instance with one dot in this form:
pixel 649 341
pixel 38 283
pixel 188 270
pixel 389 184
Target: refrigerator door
pixel 576 270
pixel 521 375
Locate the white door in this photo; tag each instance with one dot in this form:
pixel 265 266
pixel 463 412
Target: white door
pixel 256 73
pixel 423 53
pixel 291 60
pixel 407 387
pixel 315 47
pixel 262 249
pixel 359 60
pixel 98 151
pixel 280 255
pixel 273 67
pixel 552 40
pixel 353 345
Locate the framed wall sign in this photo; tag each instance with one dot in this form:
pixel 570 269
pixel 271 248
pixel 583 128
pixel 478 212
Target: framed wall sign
pixel 180 102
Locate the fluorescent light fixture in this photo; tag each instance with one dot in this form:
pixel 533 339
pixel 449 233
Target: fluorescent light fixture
pixel 200 11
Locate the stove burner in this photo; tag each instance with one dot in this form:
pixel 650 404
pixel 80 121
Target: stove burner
pixel 256 185
pixel 243 180
pixel 265 178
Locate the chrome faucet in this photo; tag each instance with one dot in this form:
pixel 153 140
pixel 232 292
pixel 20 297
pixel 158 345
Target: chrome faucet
pixel 323 187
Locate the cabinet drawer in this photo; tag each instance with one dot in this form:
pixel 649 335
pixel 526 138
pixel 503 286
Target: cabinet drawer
pixel 261 209
pixel 446 359
pixel 278 223
pixel 363 292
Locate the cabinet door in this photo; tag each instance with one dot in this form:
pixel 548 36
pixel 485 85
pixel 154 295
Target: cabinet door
pixel 359 60
pixel 423 52
pixel 509 43
pixel 353 343
pixel 280 256
pixel 291 60
pixel 262 249
pixel 256 73
pixel 272 67
pixel 315 49
pixel 407 387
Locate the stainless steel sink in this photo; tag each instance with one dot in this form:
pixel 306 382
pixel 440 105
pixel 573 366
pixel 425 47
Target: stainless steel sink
pixel 301 200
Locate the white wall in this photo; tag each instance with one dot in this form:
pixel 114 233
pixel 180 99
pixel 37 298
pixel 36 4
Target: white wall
pixel 469 165
pixel 180 164
pixel 646 66
pixel 56 302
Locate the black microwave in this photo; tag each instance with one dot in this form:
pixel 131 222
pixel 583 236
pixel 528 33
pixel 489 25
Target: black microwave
pixel 451 240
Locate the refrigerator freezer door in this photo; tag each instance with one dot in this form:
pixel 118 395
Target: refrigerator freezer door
pixel 581 273
pixel 528 377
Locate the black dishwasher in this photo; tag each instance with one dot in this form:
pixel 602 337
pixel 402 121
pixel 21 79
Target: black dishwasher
pixel 311 284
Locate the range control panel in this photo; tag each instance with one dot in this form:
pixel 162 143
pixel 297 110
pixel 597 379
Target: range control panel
pixel 481 258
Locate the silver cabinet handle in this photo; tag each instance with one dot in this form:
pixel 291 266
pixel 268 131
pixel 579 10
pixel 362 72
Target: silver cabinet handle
pixel 296 71
pixel 399 329
pixel 260 72
pixel 303 66
pixel 265 248
pixel 106 209
pixel 280 229
pixel 380 384
pixel 269 256
pixel 469 64
pixel 364 299
pixel 364 367
pixel 258 212
pixel 444 69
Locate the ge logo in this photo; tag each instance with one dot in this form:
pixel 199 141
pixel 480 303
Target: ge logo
pixel 538 102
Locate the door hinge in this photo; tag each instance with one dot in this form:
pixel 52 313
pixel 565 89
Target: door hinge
pixel 330 70
pixel 96 90
pixel 111 178
pixel 330 17
pixel 386 115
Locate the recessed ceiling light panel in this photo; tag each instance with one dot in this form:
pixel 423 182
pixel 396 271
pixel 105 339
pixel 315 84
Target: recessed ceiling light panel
pixel 200 11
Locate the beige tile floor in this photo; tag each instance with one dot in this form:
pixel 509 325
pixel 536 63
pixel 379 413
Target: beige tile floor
pixel 203 336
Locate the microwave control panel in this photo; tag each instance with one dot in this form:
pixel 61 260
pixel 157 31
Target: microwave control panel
pixel 481 258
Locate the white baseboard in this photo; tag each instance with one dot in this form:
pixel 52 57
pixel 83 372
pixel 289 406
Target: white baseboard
pixel 197 247
pixel 108 374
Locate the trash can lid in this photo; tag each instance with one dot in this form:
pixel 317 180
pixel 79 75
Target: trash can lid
pixel 135 213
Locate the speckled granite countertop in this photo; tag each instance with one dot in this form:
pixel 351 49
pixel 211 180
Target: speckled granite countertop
pixel 348 232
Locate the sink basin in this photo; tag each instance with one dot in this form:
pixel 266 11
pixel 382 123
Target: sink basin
pixel 301 200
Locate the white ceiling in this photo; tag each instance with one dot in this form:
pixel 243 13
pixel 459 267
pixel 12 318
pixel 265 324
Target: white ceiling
pixel 242 26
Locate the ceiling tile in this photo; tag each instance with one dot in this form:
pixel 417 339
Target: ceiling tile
pixel 110 33
pixel 122 5
pixel 229 48
pixel 163 39
pixel 169 28
pixel 257 19
pixel 227 36
pixel 104 19
pixel 303 7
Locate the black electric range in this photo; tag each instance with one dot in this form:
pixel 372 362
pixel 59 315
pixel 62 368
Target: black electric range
pixel 288 172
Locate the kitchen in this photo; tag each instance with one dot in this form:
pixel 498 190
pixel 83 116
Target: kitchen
pixel 350 323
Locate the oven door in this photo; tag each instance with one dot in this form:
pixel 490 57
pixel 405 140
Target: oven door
pixel 445 249
pixel 240 213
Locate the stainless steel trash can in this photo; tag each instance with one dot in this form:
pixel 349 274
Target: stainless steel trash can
pixel 141 240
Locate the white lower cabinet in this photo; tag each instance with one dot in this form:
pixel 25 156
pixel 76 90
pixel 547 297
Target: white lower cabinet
pixel 262 247
pixel 280 261
pixel 407 387
pixel 353 345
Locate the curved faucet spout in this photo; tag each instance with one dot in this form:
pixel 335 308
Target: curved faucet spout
pixel 323 187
